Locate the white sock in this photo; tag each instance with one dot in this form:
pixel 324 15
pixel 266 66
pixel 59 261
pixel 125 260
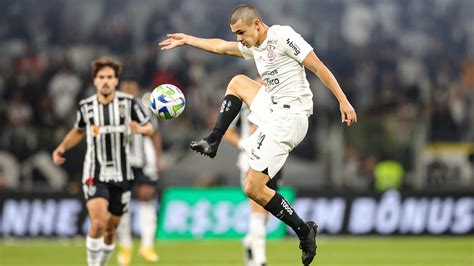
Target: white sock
pixel 147 217
pixel 94 250
pixel 106 253
pixel 256 236
pixel 124 231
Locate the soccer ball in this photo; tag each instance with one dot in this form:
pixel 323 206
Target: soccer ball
pixel 167 101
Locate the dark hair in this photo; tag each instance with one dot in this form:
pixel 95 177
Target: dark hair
pixel 102 62
pixel 246 13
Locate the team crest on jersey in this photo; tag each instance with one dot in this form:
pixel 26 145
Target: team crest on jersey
pixel 271 55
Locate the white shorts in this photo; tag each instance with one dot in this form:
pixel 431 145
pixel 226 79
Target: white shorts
pixel 279 133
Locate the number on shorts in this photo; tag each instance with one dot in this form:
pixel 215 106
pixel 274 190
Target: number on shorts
pixel 260 139
pixel 126 197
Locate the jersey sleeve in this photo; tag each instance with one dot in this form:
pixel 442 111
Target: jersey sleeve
pixel 246 52
pixel 138 113
pixel 294 45
pixel 80 123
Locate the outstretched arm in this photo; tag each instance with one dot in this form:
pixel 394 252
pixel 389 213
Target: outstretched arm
pixel 216 46
pixel 312 62
pixel 72 138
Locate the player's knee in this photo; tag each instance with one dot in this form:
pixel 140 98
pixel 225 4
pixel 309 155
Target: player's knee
pixel 251 191
pixel 235 84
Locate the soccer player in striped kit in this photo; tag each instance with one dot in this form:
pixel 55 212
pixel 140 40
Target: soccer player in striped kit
pixel 284 104
pixel 107 119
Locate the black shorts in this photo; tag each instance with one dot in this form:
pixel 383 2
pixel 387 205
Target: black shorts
pixel 117 196
pixel 140 178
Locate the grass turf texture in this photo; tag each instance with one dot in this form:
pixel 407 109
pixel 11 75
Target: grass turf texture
pixel 409 251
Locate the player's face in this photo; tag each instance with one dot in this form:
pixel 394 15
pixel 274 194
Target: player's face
pixel 247 34
pixel 105 81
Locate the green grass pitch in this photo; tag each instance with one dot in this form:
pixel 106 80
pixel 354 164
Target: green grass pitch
pixel 333 251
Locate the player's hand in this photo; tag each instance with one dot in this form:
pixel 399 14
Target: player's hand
pixel 58 158
pixel 174 40
pixel 348 114
pixel 134 127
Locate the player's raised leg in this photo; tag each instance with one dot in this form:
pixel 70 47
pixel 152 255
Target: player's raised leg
pixel 240 89
pixel 98 214
pixel 278 206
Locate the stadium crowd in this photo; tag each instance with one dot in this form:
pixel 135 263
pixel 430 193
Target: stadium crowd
pixel 407 66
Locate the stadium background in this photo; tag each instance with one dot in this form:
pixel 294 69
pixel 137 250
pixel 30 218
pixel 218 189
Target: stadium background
pixel 406 168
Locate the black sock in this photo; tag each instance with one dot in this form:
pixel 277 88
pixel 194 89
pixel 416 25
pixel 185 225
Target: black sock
pixel 230 108
pixel 281 209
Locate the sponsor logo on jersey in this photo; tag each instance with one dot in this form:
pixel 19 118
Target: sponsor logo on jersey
pixel 95 131
pixel 254 155
pixel 107 130
pixel 296 49
pixel 270 73
pixel 272 41
pixel 271 82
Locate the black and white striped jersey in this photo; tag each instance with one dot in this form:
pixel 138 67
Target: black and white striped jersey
pixel 108 136
pixel 142 150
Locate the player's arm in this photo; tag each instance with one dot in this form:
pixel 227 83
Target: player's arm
pixel 146 129
pixel 216 46
pixel 73 137
pixel 156 139
pixel 312 62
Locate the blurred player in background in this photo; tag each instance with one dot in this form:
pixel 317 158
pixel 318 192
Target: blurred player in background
pixel 254 241
pixel 107 119
pixel 283 104
pixel 144 156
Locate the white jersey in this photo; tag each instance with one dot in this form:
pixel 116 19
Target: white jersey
pixel 279 62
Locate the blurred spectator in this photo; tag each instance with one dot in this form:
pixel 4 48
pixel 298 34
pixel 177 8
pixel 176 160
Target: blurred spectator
pixel 388 174
pixel 9 171
pixel 63 90
pixel 408 69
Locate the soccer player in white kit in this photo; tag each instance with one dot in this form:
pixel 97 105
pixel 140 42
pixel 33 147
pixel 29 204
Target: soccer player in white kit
pixel 284 104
